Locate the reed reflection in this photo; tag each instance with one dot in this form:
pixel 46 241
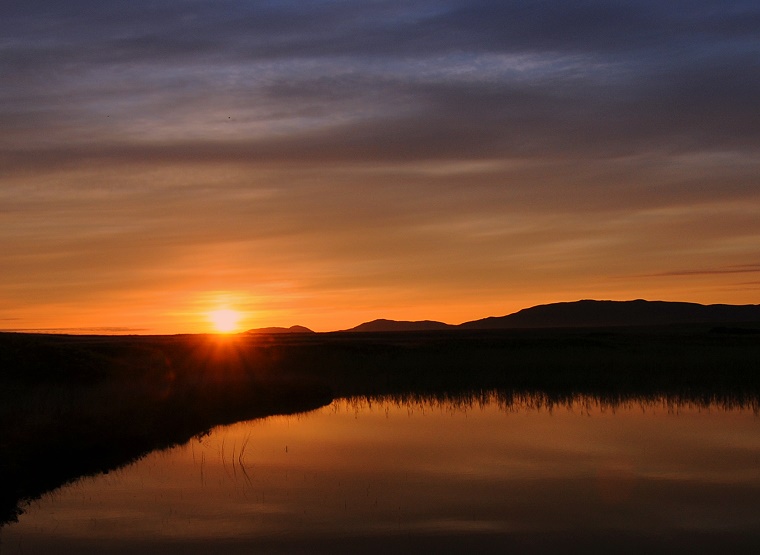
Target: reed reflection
pixel 493 469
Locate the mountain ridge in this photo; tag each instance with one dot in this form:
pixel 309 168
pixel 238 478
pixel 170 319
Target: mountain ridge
pixel 586 313
pixel 276 330
pixel 382 324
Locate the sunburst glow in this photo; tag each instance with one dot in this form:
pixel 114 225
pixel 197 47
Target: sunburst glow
pixel 225 320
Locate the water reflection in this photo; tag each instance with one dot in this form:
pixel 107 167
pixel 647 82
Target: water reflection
pixel 485 472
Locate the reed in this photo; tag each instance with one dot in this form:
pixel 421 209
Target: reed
pixel 91 404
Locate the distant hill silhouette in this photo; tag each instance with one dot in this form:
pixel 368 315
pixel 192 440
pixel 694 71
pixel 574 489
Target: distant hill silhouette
pixel 395 325
pixel 279 330
pixel 586 313
pixel 589 313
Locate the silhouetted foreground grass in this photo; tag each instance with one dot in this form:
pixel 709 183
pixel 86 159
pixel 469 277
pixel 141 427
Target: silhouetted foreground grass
pixel 693 362
pixel 74 405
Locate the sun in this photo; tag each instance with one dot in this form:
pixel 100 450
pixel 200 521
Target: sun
pixel 225 320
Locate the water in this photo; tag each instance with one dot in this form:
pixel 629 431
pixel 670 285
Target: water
pixel 456 476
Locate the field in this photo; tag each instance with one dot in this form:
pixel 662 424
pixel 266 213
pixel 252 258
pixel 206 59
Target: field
pixel 78 405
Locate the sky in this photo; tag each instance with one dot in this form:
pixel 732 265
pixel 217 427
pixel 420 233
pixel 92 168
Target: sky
pixel 325 163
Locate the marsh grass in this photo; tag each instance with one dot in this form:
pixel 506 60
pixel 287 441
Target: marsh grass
pixel 134 397
pixel 72 406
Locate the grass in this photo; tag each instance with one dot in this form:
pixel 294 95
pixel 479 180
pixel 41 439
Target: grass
pixel 73 405
pixel 124 398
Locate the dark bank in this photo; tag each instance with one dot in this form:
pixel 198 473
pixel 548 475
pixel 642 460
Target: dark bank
pixel 78 405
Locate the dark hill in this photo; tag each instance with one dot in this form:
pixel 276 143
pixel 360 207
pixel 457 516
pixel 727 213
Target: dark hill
pixel 278 330
pixel 588 313
pixel 395 325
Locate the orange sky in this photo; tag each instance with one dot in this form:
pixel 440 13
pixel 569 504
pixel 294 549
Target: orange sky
pixel 324 167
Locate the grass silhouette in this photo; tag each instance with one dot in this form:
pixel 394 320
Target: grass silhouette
pixel 78 405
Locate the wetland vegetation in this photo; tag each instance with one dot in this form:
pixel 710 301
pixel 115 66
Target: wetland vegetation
pixel 78 405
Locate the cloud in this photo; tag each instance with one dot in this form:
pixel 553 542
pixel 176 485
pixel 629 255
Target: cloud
pixel 410 146
pixel 596 71
pixel 732 269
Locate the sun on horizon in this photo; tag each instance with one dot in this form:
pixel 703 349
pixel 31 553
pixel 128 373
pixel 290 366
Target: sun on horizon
pixel 225 320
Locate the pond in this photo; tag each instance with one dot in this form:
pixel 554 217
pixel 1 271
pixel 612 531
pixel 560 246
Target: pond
pixel 481 474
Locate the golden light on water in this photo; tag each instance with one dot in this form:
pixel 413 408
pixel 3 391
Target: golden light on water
pixel 225 320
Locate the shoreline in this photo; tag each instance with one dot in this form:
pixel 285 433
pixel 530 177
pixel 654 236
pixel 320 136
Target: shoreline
pixel 80 405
